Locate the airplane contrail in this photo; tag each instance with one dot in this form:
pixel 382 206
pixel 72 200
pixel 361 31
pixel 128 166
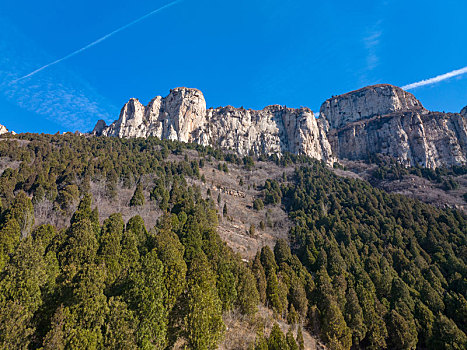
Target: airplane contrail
pixel 436 79
pixel 97 41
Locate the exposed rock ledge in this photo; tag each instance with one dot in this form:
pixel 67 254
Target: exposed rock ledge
pixel 182 116
pixel 376 119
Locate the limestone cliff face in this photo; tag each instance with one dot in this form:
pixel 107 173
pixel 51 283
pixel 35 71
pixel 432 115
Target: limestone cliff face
pixel 4 130
pixel 275 129
pixel 182 116
pixel 395 125
pixel 174 117
pixel 377 119
pixel 367 102
pixel 464 111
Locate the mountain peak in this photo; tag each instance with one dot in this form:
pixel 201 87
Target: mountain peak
pixel 350 127
pixel 367 102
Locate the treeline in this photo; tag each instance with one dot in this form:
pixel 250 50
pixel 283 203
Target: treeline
pixel 61 168
pixel 384 271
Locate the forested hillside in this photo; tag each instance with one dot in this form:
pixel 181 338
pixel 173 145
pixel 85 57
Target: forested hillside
pixel 360 268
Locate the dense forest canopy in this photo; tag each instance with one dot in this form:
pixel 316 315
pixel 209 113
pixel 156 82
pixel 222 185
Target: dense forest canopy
pixel 362 268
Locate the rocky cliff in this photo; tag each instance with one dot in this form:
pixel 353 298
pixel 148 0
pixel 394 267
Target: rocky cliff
pixel 376 119
pixel 367 102
pixel 385 119
pixel 182 116
pixel 464 111
pixel 4 130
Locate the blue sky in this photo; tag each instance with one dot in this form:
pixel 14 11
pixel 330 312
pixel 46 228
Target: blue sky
pixel 244 53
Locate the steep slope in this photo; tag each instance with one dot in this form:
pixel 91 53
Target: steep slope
pixel 384 119
pixel 379 119
pixel 368 102
pixel 362 268
pixel 182 116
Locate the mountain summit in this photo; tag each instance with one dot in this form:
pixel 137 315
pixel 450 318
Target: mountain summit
pixel 378 119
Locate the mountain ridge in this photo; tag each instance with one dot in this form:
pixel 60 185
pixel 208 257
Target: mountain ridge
pixel 378 119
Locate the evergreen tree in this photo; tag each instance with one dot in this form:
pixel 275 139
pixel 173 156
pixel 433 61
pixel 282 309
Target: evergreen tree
pixel 282 252
pixel 203 325
pixel 291 343
pixel 261 343
pixel 334 327
pixel 247 296
pixel 446 334
pixel 354 316
pixel 170 251
pixel 300 342
pixel 110 246
pixel 260 276
pixel 21 294
pixel 277 339
pixel 146 295
pixel 273 293
pixel 268 260
pixel 138 197
pixel 402 336
pixel 120 326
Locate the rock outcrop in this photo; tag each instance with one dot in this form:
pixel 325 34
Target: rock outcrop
pixel 377 119
pixel 367 102
pixel 464 111
pixel 182 116
pixel 4 130
pixel 396 124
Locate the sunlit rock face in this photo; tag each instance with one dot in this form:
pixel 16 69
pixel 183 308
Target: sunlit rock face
pixel 464 111
pixel 368 102
pixel 3 129
pixel 384 119
pixel 379 119
pixel 182 116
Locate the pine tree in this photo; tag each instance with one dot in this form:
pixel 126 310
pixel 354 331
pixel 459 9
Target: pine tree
pixel 248 296
pixel 110 245
pixel 300 342
pixel 120 326
pixel 402 336
pixel 277 339
pixel 138 197
pixel 291 343
pixel 203 325
pixel 274 295
pixel 146 296
pixel 261 343
pixel 260 276
pixel 334 328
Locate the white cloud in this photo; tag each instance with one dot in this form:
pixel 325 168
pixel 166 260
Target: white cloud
pixel 371 42
pixel 60 96
pixel 95 42
pixel 436 79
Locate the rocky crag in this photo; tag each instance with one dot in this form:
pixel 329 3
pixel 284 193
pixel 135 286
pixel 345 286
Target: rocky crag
pixel 3 130
pixel 380 119
pixel 183 116
pixel 387 120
